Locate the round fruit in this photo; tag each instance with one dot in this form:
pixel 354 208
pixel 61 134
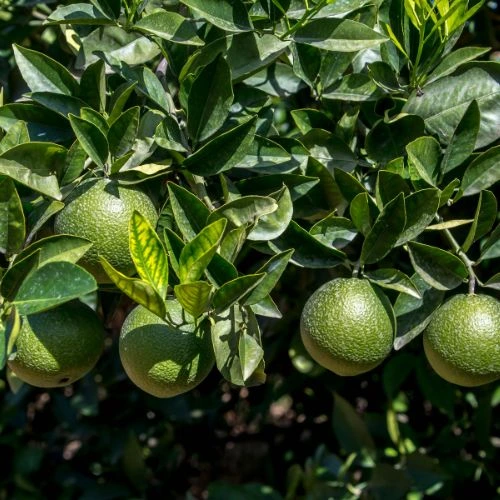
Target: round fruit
pixel 100 210
pixel 346 326
pixel 462 340
pixel 165 358
pixel 57 347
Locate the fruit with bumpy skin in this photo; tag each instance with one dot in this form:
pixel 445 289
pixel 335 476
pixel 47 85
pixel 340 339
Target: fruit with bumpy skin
pixel 100 210
pixel 165 357
pixel 346 326
pixel 462 340
pixel 57 347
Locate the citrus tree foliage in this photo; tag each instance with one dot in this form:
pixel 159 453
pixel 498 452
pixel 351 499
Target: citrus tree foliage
pixel 341 137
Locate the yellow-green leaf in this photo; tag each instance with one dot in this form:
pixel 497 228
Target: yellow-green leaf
pixel 148 254
pixel 194 297
pixel 138 290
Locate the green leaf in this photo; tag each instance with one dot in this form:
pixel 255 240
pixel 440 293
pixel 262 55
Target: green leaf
pixel 43 74
pixel 232 243
pixel 448 191
pixel 298 185
pixel 52 285
pixel 244 210
pixel 484 218
pixel 439 268
pixel 421 208
pixel 190 213
pixel 385 231
pixel 350 429
pixel 123 132
pixel 307 119
pixel 388 140
pixel 267 308
pixel 394 280
pixel 388 186
pixel 251 355
pixel 265 154
pixel 174 246
pixel 334 231
pixel 12 223
pixel 209 100
pixel 272 270
pixel 169 26
pixel 338 35
pixel 229 327
pixel 309 252
pixel 414 314
pixel 40 215
pixel 462 142
pixel 93 86
pixel 223 152
pixel 232 291
pixel 363 212
pixel 60 103
pixel 15 275
pixel 58 248
pixel 424 155
pixel 43 124
pixel 44 184
pixel 79 13
pixel 198 253
pixel 349 186
pixel 229 16
pixel 482 173
pixel 119 98
pixel 194 297
pixel 91 139
pixel 355 87
pixel 493 282
pixel 272 225
pixel 454 60
pixel 138 290
pixel 17 134
pixel 168 135
pixel 148 254
pixel 445 101
pixel 491 248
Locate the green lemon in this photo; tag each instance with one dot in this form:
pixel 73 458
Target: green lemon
pixel 165 357
pixel 100 210
pixel 346 326
pixel 57 347
pixel 462 340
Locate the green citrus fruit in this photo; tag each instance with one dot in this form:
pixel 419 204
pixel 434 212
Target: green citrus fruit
pixel 56 347
pixel 346 326
pixel 100 210
pixel 462 340
pixel 165 358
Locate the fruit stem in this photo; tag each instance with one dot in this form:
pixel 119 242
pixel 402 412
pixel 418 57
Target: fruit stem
pixel 197 184
pixel 469 264
pixel 355 269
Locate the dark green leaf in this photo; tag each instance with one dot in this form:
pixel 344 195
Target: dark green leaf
pixel 93 86
pixel 15 275
pixel 168 135
pixel 229 16
pixel 388 186
pixel 484 218
pixel 338 35
pixel 40 215
pixel 349 186
pixel 424 155
pixel 491 248
pixel 91 139
pixel 17 134
pixel 123 132
pixel 209 100
pixel 412 314
pixel 334 231
pixel 267 308
pixel 190 213
pixel 439 268
pixel 385 231
pixel 309 252
pixel 355 87
pixel 421 209
pixel 79 13
pixel 223 152
pixel 43 74
pixel 298 185
pixel 169 26
pixel 307 119
pixel 272 270
pixel 349 428
pixel 444 102
pixel 394 280
pixel 60 103
pixel 463 141
pixel 12 224
pixel 232 291
pixel 482 173
pixel 52 285
pixel 363 212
